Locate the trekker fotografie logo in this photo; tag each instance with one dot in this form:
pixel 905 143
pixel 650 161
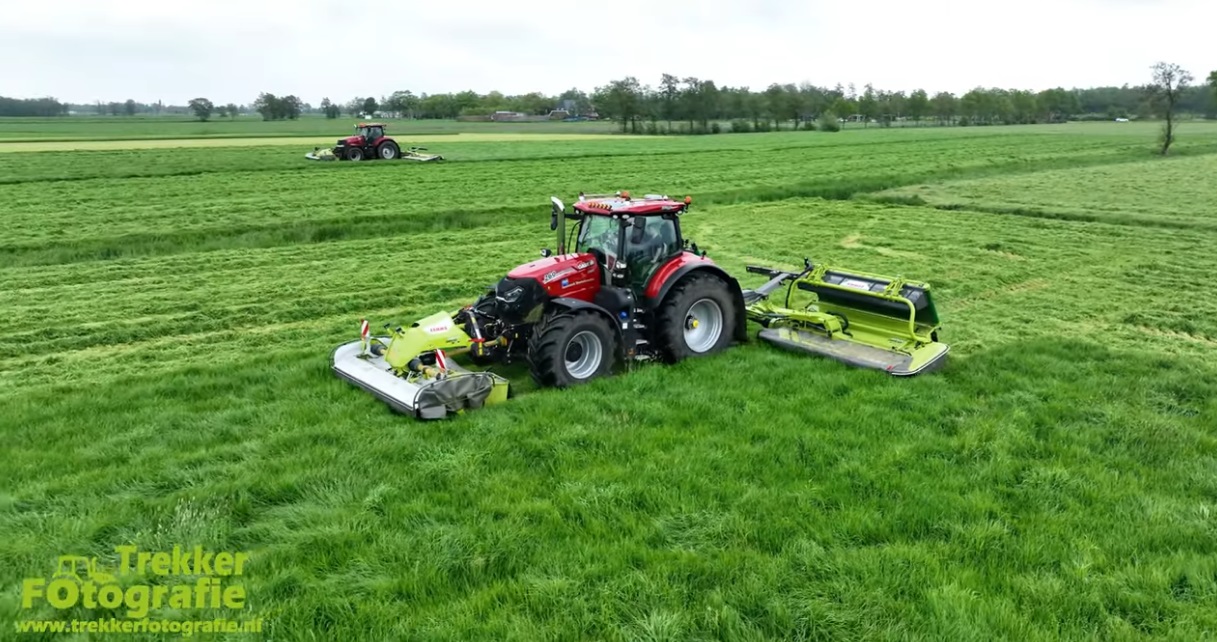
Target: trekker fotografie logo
pixel 143 582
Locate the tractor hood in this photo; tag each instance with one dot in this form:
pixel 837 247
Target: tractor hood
pixel 351 140
pixel 555 267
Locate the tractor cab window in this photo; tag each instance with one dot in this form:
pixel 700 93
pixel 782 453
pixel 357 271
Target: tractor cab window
pixel 598 232
pixel 372 133
pixel 650 247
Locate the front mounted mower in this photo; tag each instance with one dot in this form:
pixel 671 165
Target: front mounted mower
pixel 626 286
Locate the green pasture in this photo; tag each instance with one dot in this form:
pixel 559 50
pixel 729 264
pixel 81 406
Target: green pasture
pixel 112 128
pixel 164 379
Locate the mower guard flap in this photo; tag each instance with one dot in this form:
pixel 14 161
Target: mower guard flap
pixel 319 154
pixel 423 398
pixel 925 359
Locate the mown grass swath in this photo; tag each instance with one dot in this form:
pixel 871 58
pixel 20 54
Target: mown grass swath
pixel 164 375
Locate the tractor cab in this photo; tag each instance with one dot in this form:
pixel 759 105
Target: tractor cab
pixel 369 132
pixel 631 238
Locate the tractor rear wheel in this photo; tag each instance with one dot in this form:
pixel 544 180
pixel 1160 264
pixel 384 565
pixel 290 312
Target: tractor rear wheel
pixel 571 348
pixel 388 150
pixel 354 153
pixel 696 319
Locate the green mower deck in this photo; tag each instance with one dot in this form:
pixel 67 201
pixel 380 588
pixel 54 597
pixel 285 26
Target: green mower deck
pixel 864 320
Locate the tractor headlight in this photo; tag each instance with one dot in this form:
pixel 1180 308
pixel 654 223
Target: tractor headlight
pixel 512 295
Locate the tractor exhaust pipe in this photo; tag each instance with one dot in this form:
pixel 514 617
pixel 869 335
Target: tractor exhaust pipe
pixel 557 221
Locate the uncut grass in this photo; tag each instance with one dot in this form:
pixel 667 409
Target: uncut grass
pixel 122 163
pixel 123 128
pixel 57 221
pixel 1176 192
pixel 977 504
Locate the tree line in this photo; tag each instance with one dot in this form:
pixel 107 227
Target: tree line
pixel 695 105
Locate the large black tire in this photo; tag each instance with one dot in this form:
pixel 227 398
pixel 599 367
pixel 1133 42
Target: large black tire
pixel 560 342
pixel 388 150
pixel 354 153
pixel 696 319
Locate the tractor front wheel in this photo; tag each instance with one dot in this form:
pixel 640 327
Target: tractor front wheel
pixel 698 318
pixel 388 150
pixel 354 153
pixel 568 349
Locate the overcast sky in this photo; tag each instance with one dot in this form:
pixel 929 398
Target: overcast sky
pixel 229 50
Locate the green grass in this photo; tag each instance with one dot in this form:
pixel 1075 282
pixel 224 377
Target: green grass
pixel 1178 193
pixel 164 127
pixel 165 380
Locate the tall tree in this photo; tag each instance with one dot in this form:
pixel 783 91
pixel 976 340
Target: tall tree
pixel 266 104
pixel 202 108
pixel 669 93
pixel 945 106
pixel 1169 81
pixel 868 105
pixel 918 105
pixel 330 110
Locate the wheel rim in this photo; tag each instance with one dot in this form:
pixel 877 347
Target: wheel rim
pixel 703 325
pixel 583 355
pixel 387 152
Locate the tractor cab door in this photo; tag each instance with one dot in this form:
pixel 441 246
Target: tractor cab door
pixel 600 236
pixel 373 134
pixel 650 242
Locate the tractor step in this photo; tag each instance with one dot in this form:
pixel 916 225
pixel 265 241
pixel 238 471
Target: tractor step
pixel 925 359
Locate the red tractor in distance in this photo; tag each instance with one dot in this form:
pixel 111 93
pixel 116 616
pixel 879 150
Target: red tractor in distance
pixel 370 142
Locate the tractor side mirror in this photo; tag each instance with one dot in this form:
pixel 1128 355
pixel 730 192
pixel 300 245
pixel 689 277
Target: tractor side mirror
pixel 639 228
pixel 559 208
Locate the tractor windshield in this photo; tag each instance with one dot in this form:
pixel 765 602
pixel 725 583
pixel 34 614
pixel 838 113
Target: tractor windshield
pixel 599 233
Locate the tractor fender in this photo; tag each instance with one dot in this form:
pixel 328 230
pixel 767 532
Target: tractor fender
pixel 570 304
pixel 737 294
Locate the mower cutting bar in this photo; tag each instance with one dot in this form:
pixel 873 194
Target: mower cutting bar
pixel 893 362
pixel 372 373
pixel 425 398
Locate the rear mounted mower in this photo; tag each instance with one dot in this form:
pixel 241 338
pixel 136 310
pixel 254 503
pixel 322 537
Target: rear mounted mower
pixel 370 142
pixel 864 320
pixel 623 287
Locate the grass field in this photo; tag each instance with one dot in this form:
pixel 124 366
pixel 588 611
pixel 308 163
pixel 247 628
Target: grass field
pixel 83 128
pixel 164 375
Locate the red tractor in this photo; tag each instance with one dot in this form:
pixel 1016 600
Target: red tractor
pixel 628 289
pixel 370 142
